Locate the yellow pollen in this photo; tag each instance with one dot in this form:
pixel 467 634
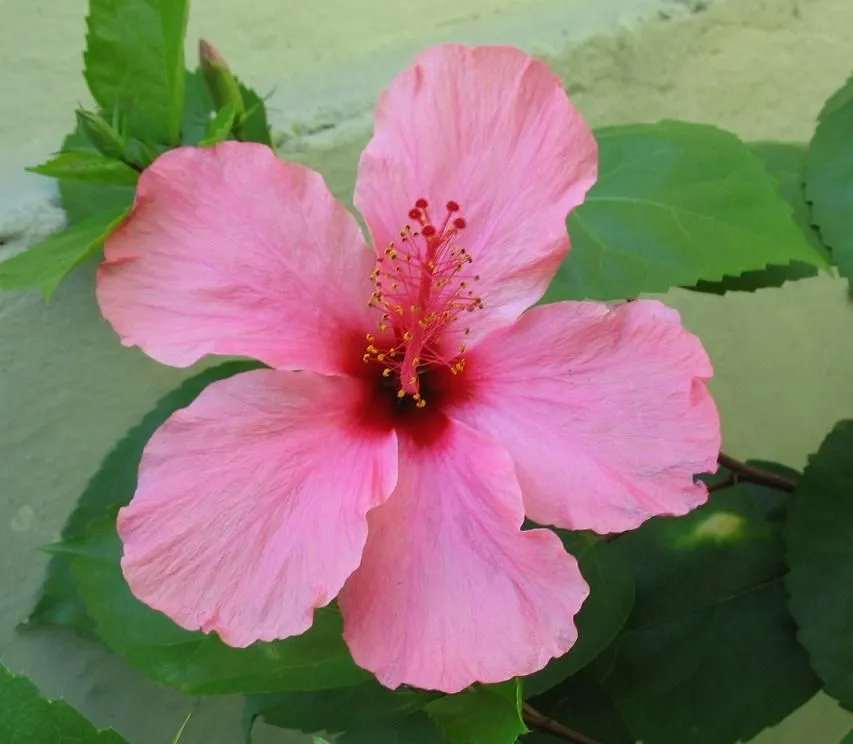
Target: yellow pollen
pixel 401 393
pixel 386 372
pixel 421 403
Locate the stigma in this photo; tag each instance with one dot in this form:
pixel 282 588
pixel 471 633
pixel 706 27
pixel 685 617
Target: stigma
pixel 423 288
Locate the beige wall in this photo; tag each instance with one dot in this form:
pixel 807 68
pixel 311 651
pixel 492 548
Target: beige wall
pixel 67 390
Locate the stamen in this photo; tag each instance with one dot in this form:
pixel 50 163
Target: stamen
pixel 422 288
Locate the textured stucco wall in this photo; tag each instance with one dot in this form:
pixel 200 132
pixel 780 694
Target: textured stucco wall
pixel 68 390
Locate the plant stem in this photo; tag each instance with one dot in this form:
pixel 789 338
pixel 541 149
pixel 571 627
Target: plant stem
pixel 537 720
pixel 751 474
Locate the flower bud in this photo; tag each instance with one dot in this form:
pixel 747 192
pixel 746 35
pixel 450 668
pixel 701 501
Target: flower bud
pixel 101 134
pixel 222 85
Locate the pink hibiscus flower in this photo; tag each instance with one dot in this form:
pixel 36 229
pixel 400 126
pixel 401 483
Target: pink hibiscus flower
pixel 411 415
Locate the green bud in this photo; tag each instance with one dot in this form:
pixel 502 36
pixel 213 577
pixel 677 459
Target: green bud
pixel 101 134
pixel 221 83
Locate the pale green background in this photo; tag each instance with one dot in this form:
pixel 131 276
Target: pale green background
pixel 783 358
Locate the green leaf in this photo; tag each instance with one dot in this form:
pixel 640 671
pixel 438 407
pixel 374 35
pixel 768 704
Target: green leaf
pixel 333 710
pixel 675 203
pixel 414 729
pixel 580 704
pixel 198 109
pixel 193 662
pixel 254 127
pixel 59 603
pixel 709 654
pixel 847 739
pixel 785 161
pixel 82 201
pixel 47 263
pixel 820 553
pixel 28 718
pixel 602 616
pixel 220 126
pixel 89 167
pixel 829 177
pixel 134 63
pixel 482 714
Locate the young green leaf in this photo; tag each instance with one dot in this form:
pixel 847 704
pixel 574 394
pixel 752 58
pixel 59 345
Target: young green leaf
pixel 820 554
pixel 46 264
pixel 483 714
pixel 26 717
pixel 90 167
pixel 602 616
pixel 829 177
pixel 193 662
pixel 333 711
pixel 847 739
pixel 134 63
pixel 254 126
pixel 785 161
pixel 709 654
pixel 220 126
pixel 675 203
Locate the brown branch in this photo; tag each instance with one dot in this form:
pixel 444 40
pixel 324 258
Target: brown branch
pixel 537 720
pixel 727 482
pixel 751 474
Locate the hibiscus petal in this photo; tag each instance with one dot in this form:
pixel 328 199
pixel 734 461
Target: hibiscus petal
pixel 492 129
pixel 604 410
pixel 230 251
pixel 251 505
pixel 450 591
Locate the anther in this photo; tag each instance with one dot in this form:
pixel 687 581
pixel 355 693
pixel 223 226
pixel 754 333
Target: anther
pixel 452 206
pixel 428 231
pixel 459 223
pixel 421 203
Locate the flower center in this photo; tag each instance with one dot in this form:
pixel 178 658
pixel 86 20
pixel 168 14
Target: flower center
pixel 422 287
